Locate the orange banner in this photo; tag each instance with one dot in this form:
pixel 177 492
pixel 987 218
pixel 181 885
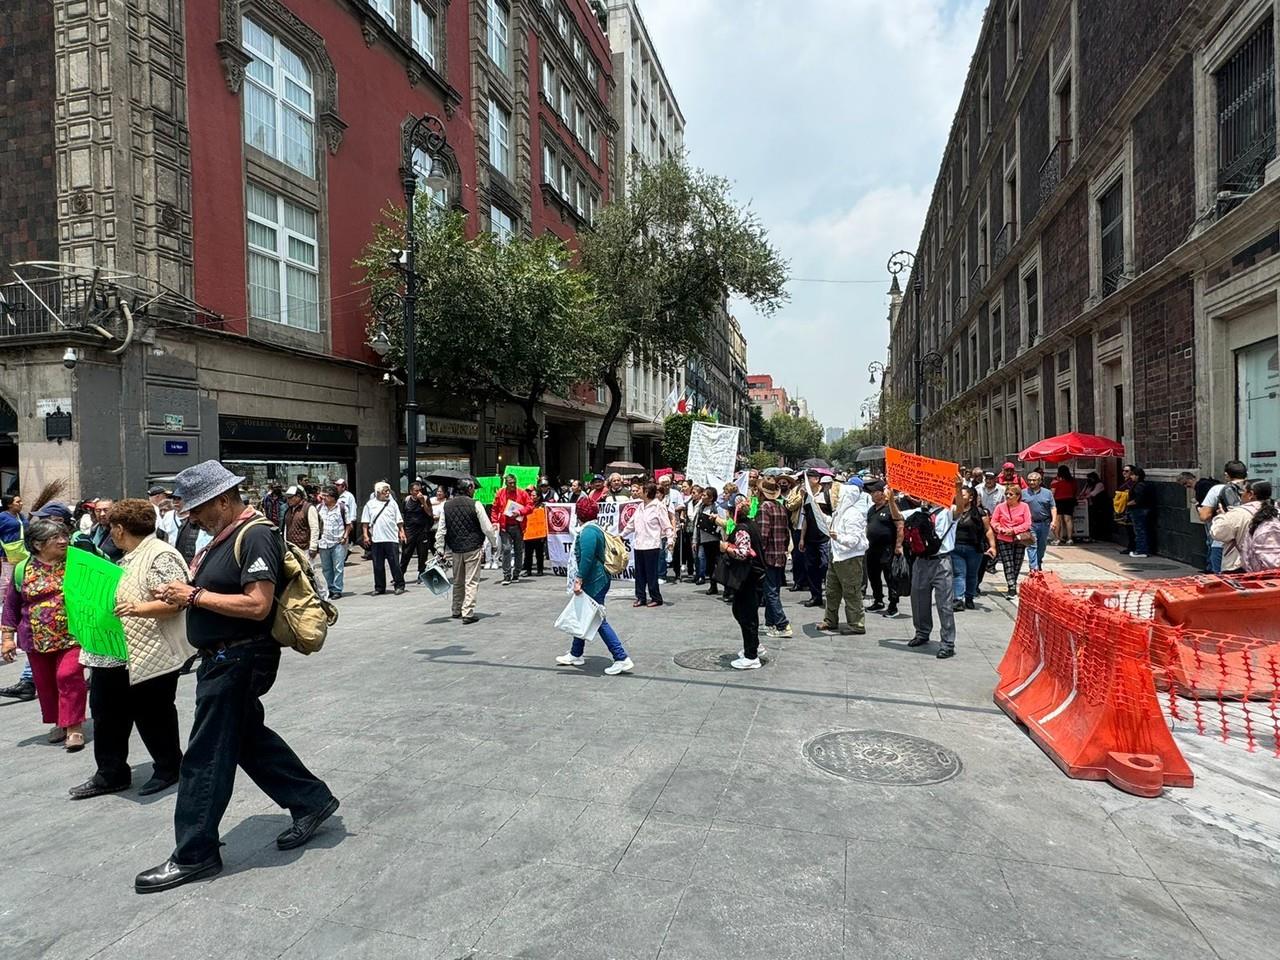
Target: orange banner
pixel 535 525
pixel 921 477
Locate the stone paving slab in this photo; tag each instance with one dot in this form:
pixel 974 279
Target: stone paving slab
pixel 495 805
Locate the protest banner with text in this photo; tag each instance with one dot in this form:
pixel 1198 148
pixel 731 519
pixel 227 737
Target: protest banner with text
pixel 921 477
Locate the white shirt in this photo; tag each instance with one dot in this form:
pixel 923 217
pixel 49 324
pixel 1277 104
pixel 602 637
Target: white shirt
pixel 1211 502
pixel 990 499
pixel 944 525
pixel 348 500
pixel 387 527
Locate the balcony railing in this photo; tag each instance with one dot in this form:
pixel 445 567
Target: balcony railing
pixel 1054 169
pixel 1246 116
pixel 1112 273
pixel 44 306
pixel 1000 245
pixel 977 280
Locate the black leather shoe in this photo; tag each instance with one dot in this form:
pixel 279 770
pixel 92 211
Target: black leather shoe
pixel 304 828
pixel 169 874
pixel 918 641
pixel 156 785
pixel 813 603
pixel 470 619
pixel 946 653
pixel 875 606
pixel 19 691
pixel 93 788
pixel 970 605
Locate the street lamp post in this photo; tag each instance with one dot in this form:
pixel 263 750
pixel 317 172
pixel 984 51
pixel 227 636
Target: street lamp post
pixel 428 131
pixel 904 262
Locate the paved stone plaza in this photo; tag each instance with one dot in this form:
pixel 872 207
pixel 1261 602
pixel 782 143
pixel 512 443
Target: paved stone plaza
pixel 495 805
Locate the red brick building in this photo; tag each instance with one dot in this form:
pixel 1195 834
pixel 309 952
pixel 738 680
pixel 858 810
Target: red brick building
pixel 1100 252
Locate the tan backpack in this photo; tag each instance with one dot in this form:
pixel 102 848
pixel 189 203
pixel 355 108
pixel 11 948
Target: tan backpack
pixel 302 620
pixel 616 554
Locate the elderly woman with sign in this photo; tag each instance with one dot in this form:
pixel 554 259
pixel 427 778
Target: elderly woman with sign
pixel 142 690
pixel 35 620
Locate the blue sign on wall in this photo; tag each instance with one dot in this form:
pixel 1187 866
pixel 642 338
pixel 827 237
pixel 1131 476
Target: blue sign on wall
pixel 176 448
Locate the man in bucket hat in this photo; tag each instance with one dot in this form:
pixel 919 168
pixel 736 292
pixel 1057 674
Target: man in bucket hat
pixel 229 604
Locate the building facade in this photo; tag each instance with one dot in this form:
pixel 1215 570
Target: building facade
pixel 650 126
pixel 766 396
pixel 717 382
pixel 1100 252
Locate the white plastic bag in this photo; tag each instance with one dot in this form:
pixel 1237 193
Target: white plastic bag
pixel 581 617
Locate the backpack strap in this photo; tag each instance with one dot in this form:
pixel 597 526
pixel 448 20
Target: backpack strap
pixel 244 528
pixel 20 571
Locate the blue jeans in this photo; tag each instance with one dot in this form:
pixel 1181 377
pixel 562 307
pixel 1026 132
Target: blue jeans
pixel 1141 536
pixel 607 633
pixel 706 565
pixel 662 559
pixel 1213 563
pixel 966 563
pixel 774 578
pixel 1035 554
pixel 331 562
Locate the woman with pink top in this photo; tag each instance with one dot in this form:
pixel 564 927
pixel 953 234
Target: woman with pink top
pixel 1011 522
pixel 649 526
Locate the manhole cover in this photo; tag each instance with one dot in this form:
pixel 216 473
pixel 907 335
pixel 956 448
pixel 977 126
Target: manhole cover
pixel 880 756
pixel 712 658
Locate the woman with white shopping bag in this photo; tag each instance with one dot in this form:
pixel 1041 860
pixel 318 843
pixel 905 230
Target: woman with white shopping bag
pixel 593 580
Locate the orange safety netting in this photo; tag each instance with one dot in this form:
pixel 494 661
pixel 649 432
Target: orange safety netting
pixel 1091 667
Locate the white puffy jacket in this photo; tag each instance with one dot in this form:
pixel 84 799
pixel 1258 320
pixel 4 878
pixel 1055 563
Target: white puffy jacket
pixel 849 524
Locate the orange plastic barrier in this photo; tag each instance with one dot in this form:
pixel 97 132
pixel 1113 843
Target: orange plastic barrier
pixel 1226 639
pixel 1077 675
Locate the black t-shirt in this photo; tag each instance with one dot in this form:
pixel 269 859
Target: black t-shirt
pixel 880 525
pixel 416 516
pixel 970 529
pixel 261 558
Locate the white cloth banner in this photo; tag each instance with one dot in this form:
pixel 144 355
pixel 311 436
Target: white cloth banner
pixel 713 453
pixel 562 529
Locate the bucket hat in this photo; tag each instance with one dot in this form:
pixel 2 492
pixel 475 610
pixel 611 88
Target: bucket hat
pixel 201 483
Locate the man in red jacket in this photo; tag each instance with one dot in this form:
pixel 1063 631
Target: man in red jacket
pixel 510 507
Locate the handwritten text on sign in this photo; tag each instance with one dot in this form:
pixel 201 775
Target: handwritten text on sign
pixel 535 524
pixel 921 477
pixel 89 587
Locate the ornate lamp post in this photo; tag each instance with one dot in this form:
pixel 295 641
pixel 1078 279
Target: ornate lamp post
pixel 905 262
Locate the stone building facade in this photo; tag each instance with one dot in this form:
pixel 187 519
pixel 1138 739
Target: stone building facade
pixel 1100 248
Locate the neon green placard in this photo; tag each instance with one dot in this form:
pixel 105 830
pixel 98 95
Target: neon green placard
pixel 89 588
pixel 525 476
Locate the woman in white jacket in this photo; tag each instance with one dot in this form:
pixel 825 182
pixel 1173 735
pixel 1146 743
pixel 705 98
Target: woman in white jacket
pixel 848 533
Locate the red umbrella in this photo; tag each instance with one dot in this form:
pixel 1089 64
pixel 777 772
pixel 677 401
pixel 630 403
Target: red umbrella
pixel 1068 445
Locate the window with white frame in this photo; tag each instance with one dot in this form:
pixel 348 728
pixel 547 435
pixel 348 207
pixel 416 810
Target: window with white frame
pixel 566 102
pixel 548 166
pixel 499 34
pixel 422 164
pixel 593 142
pixel 1013 36
pixel 422 26
pixel 580 198
pixel 562 23
pixel 501 225
pixel 1111 236
pixel 984 104
pixel 279 102
pixel 499 139
pixel 964 157
pixel 386 10
pixel 284 278
pixel 593 207
pixel 997 332
pixel 549 81
pixel 580 124
pixel 591 71
pixel 566 179
pixel 1030 304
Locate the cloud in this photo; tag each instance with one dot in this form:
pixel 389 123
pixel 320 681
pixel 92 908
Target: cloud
pixel 830 117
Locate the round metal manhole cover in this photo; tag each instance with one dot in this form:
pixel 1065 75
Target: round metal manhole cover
pixel 881 756
pixel 712 658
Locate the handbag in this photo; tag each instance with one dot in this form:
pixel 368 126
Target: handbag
pixel 1026 538
pixel 900 575
pixel 732 573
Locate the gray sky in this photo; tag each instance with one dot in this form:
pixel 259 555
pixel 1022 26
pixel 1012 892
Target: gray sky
pixel 830 117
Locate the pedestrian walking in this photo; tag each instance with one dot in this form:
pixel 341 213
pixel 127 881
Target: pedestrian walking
pixel 1011 524
pixel 884 542
pixel 848 533
pixel 302 528
pixel 1064 490
pixel 417 529
pixel 593 579
pixel 229 604
pixel 335 531
pixel 352 511
pixel 35 621
pixel 510 507
pixel 463 530
pixel 744 570
pixel 141 691
pixel 975 543
pixel 775 535
pixel 649 527
pixel 1044 514
pixel 931 531
pixel 383 536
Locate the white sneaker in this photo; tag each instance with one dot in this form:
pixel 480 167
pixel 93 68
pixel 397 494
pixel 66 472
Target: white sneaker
pixel 1138 556
pixel 761 653
pixel 569 660
pixel 742 663
pixel 782 634
pixel 619 666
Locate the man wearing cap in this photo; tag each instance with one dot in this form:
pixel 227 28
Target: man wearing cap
pixel 302 528
pixel 1009 474
pixel 383 536
pixel 229 602
pixel 822 496
pixel 463 529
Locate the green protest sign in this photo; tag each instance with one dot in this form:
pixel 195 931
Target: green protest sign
pixel 525 476
pixel 487 489
pixel 89 588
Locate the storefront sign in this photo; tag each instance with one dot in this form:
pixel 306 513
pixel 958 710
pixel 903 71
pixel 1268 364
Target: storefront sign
pixel 447 429
pixel 176 448
pixel 263 430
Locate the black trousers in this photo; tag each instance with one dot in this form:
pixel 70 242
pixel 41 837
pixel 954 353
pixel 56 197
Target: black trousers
pixel 646 574
pixel 879 561
pixel 229 730
pixel 117 708
pixel 417 540
pixel 388 553
pixel 535 550
pixel 746 610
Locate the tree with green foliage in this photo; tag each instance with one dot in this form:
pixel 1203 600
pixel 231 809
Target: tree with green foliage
pixel 757 429
pixel 844 451
pixel 763 460
pixel 675 436
pixel 662 259
pixel 496 320
pixel 796 438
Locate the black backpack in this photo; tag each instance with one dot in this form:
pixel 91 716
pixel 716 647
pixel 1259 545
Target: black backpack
pixel 920 537
pixel 1229 497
